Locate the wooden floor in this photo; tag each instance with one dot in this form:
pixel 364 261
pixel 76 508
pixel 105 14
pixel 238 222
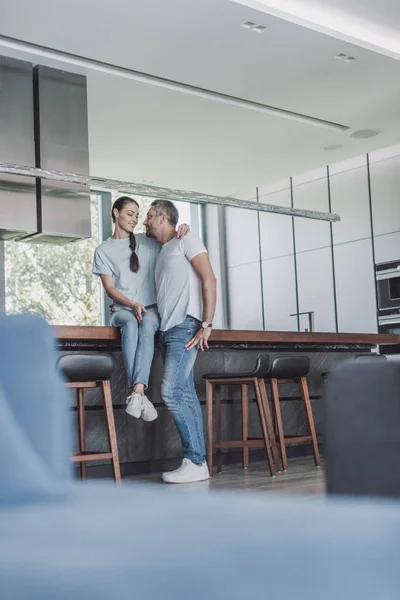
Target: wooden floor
pixel 302 477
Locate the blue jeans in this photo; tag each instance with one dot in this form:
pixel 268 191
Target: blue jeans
pixel 137 342
pixel 177 387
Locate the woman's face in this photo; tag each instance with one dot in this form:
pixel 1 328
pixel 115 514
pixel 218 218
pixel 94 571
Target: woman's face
pixel 127 218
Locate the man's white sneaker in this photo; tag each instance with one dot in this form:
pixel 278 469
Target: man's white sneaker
pixel 149 413
pixel 134 405
pixel 188 472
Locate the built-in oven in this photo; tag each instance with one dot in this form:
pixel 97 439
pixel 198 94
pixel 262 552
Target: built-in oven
pixel 388 288
pixel 390 323
pixel 388 280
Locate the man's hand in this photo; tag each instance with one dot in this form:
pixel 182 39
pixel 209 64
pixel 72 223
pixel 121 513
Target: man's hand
pixel 112 308
pixel 200 339
pixel 182 230
pixel 138 309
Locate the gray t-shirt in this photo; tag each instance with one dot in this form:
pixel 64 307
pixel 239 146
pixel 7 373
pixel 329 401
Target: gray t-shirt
pixel 112 258
pixel 178 286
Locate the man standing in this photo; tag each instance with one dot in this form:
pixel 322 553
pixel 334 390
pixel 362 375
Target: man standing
pixel 186 297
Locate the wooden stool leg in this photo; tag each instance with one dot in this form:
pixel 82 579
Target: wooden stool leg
pixel 81 428
pixel 209 408
pixel 112 434
pixel 310 419
pixel 264 427
pixel 278 417
pixel 245 423
pixel 270 427
pixel 218 425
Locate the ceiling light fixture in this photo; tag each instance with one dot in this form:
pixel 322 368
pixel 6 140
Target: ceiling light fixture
pixel 345 57
pixel 333 147
pixel 102 67
pixel 152 191
pixel 363 134
pixel 253 26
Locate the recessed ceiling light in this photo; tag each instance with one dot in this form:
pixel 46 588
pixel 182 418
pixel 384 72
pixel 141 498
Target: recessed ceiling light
pixel 345 57
pixel 363 134
pixel 333 147
pixel 253 26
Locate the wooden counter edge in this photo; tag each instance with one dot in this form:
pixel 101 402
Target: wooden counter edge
pixel 71 332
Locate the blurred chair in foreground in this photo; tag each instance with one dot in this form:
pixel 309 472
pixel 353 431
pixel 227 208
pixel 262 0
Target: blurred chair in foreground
pixel 35 421
pixel 362 432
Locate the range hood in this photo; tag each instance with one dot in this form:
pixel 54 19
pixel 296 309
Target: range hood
pixel 61 143
pixel 18 214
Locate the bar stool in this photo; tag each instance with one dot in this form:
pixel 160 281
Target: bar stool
pixel 213 384
pixel 291 369
pixel 84 371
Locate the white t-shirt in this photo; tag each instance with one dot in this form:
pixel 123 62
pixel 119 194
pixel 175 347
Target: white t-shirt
pixel 177 283
pixel 112 258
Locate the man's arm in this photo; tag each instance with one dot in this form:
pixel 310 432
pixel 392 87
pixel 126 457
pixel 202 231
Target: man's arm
pixel 203 268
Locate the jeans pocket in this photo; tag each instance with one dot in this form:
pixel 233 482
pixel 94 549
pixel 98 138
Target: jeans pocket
pixel 192 322
pixel 193 325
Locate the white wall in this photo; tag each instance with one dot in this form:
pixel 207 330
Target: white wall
pixel 277 252
pixel 335 264
pixel 215 249
pixel 243 267
pixel 385 195
pixel 352 243
pixel 313 251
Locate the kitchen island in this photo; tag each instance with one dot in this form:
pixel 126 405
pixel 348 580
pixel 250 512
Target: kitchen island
pixel 145 447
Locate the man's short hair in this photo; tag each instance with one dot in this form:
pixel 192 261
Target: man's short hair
pixel 168 208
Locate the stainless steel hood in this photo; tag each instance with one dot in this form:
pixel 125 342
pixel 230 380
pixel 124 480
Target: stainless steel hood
pixel 17 194
pixel 61 142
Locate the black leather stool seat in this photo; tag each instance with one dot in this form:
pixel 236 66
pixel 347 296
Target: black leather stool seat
pixel 86 367
pixel 260 371
pixel 289 367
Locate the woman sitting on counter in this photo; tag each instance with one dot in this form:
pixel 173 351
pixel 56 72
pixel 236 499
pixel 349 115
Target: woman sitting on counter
pixel 125 264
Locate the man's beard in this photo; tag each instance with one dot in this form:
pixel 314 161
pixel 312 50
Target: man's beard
pixel 150 234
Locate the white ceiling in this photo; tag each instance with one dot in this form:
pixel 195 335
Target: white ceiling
pixel 385 13
pixel 140 132
pixel 371 24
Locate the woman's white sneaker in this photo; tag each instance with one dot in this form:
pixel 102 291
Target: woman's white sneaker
pixel 134 405
pixel 188 472
pixel 149 413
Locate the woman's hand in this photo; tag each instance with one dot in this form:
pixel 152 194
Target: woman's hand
pixel 183 230
pixel 138 310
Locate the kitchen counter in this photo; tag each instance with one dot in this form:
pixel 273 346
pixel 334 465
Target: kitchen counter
pixel 145 447
pixel 236 337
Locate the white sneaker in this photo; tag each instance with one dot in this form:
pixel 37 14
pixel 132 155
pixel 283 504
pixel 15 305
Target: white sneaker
pixel 134 405
pixel 149 413
pixel 188 472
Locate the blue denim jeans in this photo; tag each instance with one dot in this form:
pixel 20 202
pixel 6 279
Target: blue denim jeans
pixel 137 342
pixel 177 387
